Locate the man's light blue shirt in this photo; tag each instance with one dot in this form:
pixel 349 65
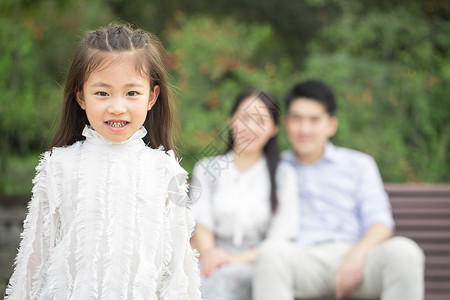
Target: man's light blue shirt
pixel 340 196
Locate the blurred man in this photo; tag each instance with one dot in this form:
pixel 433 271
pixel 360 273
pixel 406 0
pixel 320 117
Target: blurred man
pixel 344 245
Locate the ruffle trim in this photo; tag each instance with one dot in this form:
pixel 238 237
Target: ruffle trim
pixel 180 277
pixel 90 133
pixel 30 262
pixel 161 227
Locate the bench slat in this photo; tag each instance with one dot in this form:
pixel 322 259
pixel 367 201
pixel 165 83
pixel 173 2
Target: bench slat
pixel 441 206
pixel 419 200
pixel 436 246
pixel 437 296
pixel 414 189
pixel 438 286
pixel 445 273
pixel 424 235
pixel 441 261
pixel 424 223
pixel 408 210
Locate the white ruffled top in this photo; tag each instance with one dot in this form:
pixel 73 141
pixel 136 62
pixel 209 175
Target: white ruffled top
pixel 107 221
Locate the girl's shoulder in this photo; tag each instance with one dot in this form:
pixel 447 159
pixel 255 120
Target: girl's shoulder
pixel 62 153
pixel 174 175
pixel 165 156
pixel 166 159
pixel 54 162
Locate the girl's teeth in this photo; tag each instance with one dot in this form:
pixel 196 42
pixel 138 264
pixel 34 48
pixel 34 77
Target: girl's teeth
pixel 117 124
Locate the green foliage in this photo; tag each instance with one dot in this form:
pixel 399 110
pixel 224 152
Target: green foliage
pixel 390 70
pixel 20 170
pixel 390 99
pixel 388 61
pixel 212 60
pixel 36 48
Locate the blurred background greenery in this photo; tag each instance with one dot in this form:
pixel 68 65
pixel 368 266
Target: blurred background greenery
pixel 389 63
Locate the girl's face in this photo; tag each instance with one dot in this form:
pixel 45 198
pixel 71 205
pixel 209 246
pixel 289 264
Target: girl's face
pixel 116 98
pixel 252 126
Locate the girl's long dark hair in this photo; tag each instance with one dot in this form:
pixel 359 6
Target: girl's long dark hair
pixel 97 46
pixel 271 150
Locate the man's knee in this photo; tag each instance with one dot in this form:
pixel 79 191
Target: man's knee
pixel 272 276
pixel 272 251
pixel 403 254
pixel 403 248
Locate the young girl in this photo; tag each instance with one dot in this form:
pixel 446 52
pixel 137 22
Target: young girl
pixel 246 196
pixel 106 219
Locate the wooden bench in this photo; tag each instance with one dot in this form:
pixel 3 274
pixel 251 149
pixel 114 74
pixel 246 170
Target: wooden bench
pixel 422 213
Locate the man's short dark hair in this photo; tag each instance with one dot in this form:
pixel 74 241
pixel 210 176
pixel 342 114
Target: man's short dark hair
pixel 315 90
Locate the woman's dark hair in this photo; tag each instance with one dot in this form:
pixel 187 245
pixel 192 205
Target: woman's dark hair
pixel 315 90
pixel 112 43
pixel 271 150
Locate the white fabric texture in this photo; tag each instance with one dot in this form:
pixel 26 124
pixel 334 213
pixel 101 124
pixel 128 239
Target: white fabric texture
pixel 236 205
pixel 105 222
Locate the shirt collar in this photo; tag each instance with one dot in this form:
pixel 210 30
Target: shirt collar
pixel 290 157
pixel 90 134
pixel 329 154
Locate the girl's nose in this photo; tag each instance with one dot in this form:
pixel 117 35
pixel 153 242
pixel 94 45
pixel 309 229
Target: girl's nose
pixel 117 106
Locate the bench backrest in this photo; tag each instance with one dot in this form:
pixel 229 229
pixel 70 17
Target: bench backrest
pixel 422 213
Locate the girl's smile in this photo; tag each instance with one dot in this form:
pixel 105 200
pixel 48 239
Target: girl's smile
pixel 117 124
pixel 116 98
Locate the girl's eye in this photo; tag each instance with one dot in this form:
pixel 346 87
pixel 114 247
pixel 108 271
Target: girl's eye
pixel 103 94
pixel 132 93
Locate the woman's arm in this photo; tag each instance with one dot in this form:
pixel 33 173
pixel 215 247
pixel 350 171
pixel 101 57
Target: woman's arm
pixel 202 239
pixel 211 257
pixel 245 257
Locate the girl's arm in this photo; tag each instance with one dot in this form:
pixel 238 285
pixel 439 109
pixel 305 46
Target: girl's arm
pixel 179 276
pixel 33 253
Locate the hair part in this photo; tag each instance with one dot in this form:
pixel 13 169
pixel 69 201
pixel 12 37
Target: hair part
pixel 316 90
pixel 271 149
pixel 94 50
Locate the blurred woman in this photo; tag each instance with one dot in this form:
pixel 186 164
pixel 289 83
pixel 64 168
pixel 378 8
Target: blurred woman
pixel 243 197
